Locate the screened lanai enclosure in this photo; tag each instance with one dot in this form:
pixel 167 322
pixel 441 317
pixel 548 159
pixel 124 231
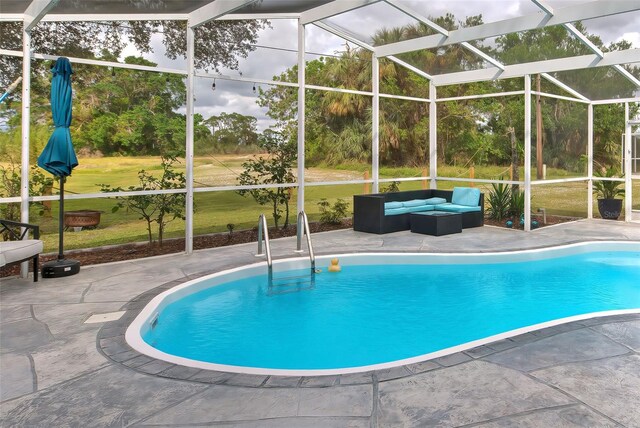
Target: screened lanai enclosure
pixel 368 96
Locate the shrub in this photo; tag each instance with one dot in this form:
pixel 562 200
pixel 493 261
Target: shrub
pixel 394 186
pixel 275 168
pixel 516 207
pixel 159 208
pixel 10 180
pixel 332 214
pixel 9 187
pixel 499 201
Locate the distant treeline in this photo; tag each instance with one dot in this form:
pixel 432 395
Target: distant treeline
pixel 130 112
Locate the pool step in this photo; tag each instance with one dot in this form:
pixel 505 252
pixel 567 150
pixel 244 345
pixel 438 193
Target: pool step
pixel 291 284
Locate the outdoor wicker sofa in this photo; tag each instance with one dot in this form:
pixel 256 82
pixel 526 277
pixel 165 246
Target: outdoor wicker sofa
pixel 389 212
pixel 19 249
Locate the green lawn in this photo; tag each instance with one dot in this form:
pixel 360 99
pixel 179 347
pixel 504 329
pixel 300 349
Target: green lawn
pixel 215 210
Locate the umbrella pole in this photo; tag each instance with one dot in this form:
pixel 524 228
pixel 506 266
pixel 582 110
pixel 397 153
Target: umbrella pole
pixel 61 221
pixel 60 267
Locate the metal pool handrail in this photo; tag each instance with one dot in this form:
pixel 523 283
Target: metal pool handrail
pixel 303 228
pixel 263 229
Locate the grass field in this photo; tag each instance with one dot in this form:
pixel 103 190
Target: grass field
pixel 215 210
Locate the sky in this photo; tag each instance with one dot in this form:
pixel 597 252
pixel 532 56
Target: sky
pixel 265 63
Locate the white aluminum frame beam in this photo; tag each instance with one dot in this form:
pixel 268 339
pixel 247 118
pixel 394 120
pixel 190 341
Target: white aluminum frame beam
pixel 338 32
pixel 410 67
pixel 560 97
pixel 114 17
pixel 471 180
pixel 590 161
pixel 595 9
pixel 628 203
pixel 546 66
pixel 375 122
pixel 405 98
pixel 616 101
pixel 24 137
pixel 215 10
pixel 11 17
pixel 250 16
pixel 475 97
pixel 328 10
pixel 100 63
pixel 559 180
pixel 571 28
pixel 245 79
pixel 488 58
pixel 36 11
pixel 527 152
pixel 628 75
pixel 433 136
pixel 564 87
pixel 118 17
pixel 302 66
pixel 189 143
pixel 588 43
pixel 418 16
pixel 97 62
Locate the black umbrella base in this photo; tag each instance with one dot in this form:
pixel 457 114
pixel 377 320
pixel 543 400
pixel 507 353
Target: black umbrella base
pixel 60 268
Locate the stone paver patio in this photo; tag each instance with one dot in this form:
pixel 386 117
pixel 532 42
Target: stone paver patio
pixel 58 371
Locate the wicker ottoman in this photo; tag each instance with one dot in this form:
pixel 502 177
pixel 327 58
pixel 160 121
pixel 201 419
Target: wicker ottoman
pixel 436 223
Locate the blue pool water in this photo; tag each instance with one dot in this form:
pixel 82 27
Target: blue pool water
pixel 376 314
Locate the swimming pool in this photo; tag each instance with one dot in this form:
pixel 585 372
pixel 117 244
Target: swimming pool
pixel 382 310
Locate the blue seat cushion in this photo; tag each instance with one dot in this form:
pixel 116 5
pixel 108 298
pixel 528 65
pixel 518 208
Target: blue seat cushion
pixel 465 196
pixel 414 203
pixel 435 201
pixel 455 208
pixel 396 211
pixel 388 205
pixel 422 208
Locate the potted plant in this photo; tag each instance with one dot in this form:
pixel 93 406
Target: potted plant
pixel 606 190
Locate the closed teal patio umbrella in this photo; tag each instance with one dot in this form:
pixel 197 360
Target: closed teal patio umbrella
pixel 59 158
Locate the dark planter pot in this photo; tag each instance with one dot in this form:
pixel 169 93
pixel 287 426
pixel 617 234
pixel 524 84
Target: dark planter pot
pixel 610 208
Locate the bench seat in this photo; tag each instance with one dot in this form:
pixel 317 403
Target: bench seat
pixel 17 251
pixel 20 249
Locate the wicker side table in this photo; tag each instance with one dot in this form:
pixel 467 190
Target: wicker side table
pixel 436 223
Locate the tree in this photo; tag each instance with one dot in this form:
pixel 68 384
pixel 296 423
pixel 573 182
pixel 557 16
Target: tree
pixel 9 187
pixel 10 180
pixel 220 43
pixel 128 112
pixel 275 168
pixel 160 209
pixel 338 125
pixel 564 122
pixel 230 131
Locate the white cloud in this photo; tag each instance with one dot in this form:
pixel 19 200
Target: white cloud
pixel 634 38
